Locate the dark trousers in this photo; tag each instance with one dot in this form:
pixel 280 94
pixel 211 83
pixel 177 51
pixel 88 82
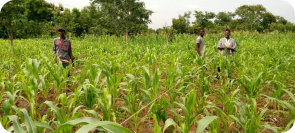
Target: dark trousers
pixel 218 69
pixel 65 65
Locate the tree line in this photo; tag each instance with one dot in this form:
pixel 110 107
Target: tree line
pixel 36 18
pixel 245 18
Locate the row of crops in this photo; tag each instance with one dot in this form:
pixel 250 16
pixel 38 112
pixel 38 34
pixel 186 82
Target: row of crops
pixel 149 85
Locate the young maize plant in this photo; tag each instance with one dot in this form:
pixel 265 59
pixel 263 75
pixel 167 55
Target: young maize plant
pixel 251 86
pixel 149 85
pixel 286 105
pixel 249 119
pixel 189 110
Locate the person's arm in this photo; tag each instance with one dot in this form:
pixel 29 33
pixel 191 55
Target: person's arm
pixel 53 48
pixel 198 46
pixel 228 47
pixel 198 50
pixel 234 46
pixel 54 51
pixel 71 53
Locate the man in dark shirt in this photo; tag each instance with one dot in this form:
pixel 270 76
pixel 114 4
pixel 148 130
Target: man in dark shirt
pixel 63 48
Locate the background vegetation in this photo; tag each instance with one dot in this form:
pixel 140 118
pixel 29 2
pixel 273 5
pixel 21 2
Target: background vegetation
pixel 37 18
pixel 112 82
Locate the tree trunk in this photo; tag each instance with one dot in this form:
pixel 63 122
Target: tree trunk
pixel 10 34
pixel 126 33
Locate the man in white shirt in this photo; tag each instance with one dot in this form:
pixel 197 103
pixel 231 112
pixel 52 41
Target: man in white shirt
pixel 227 45
pixel 200 42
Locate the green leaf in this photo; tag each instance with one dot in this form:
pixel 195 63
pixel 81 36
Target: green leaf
pixel 40 124
pixel 132 77
pixel 169 122
pixel 93 112
pixel 31 127
pixel 236 119
pixel 16 125
pixel 182 107
pixel 271 128
pixel 75 114
pixel 203 123
pixel 290 94
pixel 79 121
pixel 60 114
pixel 157 127
pixel 109 126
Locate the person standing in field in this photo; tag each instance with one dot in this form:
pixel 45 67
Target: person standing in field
pixel 200 42
pixel 63 48
pixel 227 46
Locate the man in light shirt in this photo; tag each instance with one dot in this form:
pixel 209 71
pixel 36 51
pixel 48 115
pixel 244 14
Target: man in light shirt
pixel 200 42
pixel 227 45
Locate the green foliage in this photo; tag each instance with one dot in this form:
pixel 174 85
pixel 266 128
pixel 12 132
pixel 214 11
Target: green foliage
pixel 170 33
pixel 204 122
pixel 203 19
pixel 125 15
pixel 11 16
pixel 37 10
pixel 249 119
pixel 148 81
pixel 223 18
pixel 181 24
pixel 251 86
pixel 249 18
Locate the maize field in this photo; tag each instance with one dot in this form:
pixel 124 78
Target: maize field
pixel 149 85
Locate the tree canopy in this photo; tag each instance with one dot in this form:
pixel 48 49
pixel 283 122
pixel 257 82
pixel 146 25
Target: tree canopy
pixel 36 18
pixel 245 18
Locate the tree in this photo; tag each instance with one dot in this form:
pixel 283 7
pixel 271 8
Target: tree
pixel 251 16
pixel 182 24
pixel 125 13
pixel 66 20
pixel 223 18
pixel 39 12
pixel 91 19
pixel 281 20
pixel 179 25
pixel 204 20
pixel 3 32
pixel 194 29
pixel 10 16
pixel 187 16
pixel 56 11
pixel 267 19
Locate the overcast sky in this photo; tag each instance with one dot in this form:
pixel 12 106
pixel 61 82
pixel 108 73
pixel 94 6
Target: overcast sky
pixel 165 10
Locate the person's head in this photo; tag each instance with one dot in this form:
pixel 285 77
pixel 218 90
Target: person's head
pixel 201 32
pixel 227 33
pixel 61 32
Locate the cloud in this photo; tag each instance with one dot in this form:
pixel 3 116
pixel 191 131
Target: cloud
pixel 153 7
pixel 195 7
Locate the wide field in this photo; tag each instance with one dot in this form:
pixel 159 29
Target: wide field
pixel 150 85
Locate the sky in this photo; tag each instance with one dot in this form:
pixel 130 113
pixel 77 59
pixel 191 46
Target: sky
pixel 165 10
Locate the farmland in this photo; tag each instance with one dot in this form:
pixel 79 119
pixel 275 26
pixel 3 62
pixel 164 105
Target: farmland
pixel 160 86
